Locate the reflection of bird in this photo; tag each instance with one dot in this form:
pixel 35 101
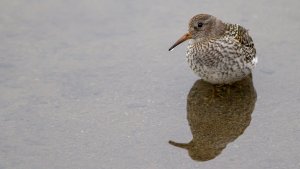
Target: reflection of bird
pixel 220 53
pixel 216 123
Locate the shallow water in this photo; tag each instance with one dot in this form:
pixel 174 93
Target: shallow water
pixel 91 84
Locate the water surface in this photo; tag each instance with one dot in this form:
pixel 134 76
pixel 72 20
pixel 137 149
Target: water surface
pixel 91 84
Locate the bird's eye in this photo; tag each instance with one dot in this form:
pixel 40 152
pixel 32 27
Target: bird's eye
pixel 200 24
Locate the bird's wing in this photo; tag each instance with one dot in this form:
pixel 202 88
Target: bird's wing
pixel 243 37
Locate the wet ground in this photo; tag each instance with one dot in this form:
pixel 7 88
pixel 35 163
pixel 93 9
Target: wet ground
pixel 91 84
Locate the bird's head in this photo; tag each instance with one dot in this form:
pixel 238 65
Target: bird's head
pixel 202 27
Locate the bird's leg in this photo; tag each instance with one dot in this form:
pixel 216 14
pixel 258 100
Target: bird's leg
pixel 215 93
pixel 228 90
pixel 218 90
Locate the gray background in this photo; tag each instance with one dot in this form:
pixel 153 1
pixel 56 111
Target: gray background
pixel 90 84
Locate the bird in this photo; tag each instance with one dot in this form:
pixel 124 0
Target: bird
pixel 218 52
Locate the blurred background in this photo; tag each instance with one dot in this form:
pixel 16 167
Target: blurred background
pixel 91 84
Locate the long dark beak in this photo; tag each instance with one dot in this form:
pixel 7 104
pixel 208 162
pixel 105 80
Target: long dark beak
pixel 180 40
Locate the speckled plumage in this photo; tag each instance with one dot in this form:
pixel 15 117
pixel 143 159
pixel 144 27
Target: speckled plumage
pixel 220 53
